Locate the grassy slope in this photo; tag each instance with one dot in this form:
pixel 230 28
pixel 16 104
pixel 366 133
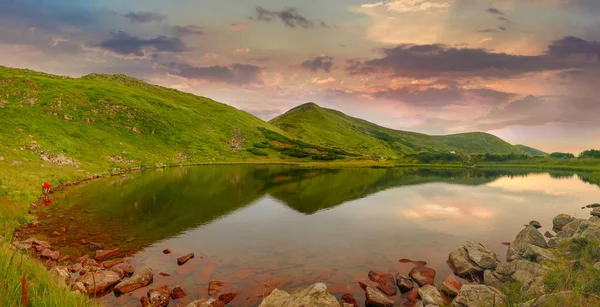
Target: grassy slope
pixel 328 127
pixel 532 151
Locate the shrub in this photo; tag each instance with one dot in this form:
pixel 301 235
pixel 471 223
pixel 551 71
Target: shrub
pixel 257 152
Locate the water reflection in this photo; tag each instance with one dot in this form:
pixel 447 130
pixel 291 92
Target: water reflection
pixel 285 224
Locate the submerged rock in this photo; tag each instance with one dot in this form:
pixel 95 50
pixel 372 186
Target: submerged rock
pixel 184 259
pixel 227 297
pixel 479 296
pixel 102 255
pixel 136 281
pixel 315 295
pixel 177 293
pixel 422 275
pixel 385 282
pixel 561 220
pixel 430 295
pixel 159 297
pixel 377 299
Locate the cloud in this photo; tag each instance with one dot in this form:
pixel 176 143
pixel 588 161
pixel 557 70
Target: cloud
pixel 488 31
pixel 437 60
pixel 240 25
pixel 321 62
pixel 290 17
pixel 186 30
pixel 318 80
pixel 241 50
pixel 409 6
pixel 124 44
pixel 143 17
pixel 494 11
pixel 571 45
pixel 238 74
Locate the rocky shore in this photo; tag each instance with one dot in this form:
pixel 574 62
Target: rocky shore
pixel 479 278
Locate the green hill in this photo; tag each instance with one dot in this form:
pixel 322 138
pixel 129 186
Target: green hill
pixel 532 151
pixel 332 128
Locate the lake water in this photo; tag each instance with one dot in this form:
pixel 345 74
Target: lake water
pixel 256 228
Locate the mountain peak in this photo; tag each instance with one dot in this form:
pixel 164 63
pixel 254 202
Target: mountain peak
pixel 308 105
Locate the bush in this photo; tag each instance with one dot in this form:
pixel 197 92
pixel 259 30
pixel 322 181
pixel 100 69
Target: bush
pixel 562 155
pixel 295 152
pixel 592 153
pixel 260 145
pixel 257 152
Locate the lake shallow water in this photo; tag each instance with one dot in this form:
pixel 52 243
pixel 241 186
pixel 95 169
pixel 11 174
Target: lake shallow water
pixel 256 228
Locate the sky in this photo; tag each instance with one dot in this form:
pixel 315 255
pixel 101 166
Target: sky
pixel 525 71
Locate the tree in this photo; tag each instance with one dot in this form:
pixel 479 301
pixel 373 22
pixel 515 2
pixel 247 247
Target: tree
pixel 592 153
pixel 562 155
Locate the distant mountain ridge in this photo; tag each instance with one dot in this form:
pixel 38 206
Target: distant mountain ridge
pixel 328 127
pixel 532 151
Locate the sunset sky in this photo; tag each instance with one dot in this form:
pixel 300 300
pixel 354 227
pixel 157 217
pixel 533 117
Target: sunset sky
pixel 526 71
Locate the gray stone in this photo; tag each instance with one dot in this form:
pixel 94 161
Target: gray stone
pixel 550 298
pixel 535 224
pixel 479 296
pixel 472 258
pixel 483 257
pixel 461 264
pixel 548 235
pixel 561 220
pixel 376 298
pixel 529 235
pixel 597 266
pixel 522 270
pixel 62 275
pixel 570 229
pixel 595 212
pixel 532 253
pixel 430 295
pixel 492 279
pixel 315 295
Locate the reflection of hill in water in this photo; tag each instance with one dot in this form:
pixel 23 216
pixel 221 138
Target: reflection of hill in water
pixel 154 205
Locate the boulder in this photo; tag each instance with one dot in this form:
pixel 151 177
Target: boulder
pixel 102 255
pixel 472 259
pixel 422 275
pixel 522 270
pixel 315 295
pixel 123 270
pixel 177 293
pixel 532 253
pixel 99 281
pixel 404 283
pixel 451 285
pixel 385 282
pixel 548 235
pixel 159 297
pixel 482 256
pixel 529 235
pixel 479 296
pixel 560 221
pixel 62 275
pixel 377 299
pixel 461 264
pixel 535 224
pixel 570 229
pixel 136 281
pixel 492 279
pixel 430 295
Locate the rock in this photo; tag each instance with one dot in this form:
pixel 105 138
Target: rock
pixel 64 258
pixel 385 282
pixel 95 246
pixel 551 299
pixel 492 279
pixel 96 282
pixel 548 235
pixel 570 229
pixel 214 287
pixel 166 251
pixel 83 258
pixel 75 268
pixel 211 302
pixel 227 297
pixel 90 263
pixel 78 286
pixel 349 299
pixel 481 256
pixel 471 259
pixel 377 299
pixel 522 270
pixel 451 285
pixel 479 296
pixel 595 212
pixel 177 293
pixel 588 230
pixel 159 297
pixel 102 255
pixel 404 283
pixel 597 266
pixel 55 234
pixel 529 235
pixel 110 264
pixel 422 275
pixel 184 259
pixel 84 241
pixel 50 254
pixel 136 281
pixel 560 221
pixel 430 295
pixel 535 224
pixel 144 301
pixel 62 275
pixel 315 295
pixel 533 253
pixel 123 270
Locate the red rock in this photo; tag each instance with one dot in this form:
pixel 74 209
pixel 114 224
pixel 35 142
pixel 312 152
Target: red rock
pixel 404 283
pixel 227 297
pixel 160 297
pixel 83 258
pixel 422 275
pixel 123 270
pixel 95 246
pixel 214 287
pixel 505 243
pixel 385 282
pixel 110 264
pixel 144 301
pixel 64 258
pixel 62 229
pixel 50 254
pixel 182 260
pixel 102 255
pixel 96 282
pixel 177 293
pixel 164 274
pixel 91 262
pixel 362 286
pixel 84 241
pixel 245 273
pixel 138 280
pixel 55 234
pixel 349 299
pixel 451 285
pixel 421 263
pixel 206 273
pixel 166 251
pixel 75 268
pixel 411 295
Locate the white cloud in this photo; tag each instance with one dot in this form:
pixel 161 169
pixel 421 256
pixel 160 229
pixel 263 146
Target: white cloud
pixel 318 80
pixel 410 6
pixel 241 50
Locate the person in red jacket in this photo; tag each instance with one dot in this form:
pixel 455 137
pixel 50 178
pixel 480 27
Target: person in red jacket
pixel 46 188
